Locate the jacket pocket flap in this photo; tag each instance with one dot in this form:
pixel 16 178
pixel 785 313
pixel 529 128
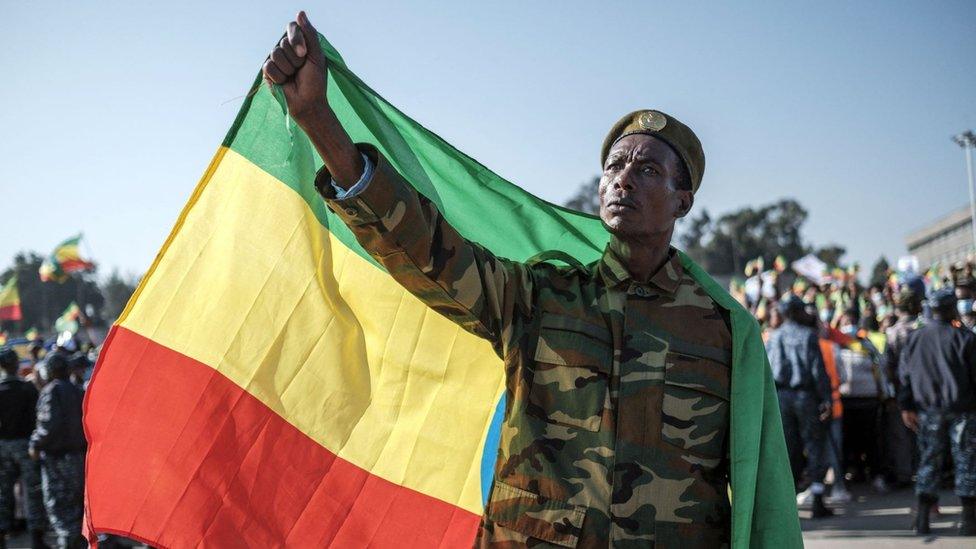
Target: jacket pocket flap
pixel 536 516
pixel 697 350
pixel 569 341
pixel 702 375
pixel 598 332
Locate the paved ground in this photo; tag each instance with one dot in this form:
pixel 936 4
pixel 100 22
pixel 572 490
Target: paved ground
pixel 871 520
pixel 874 520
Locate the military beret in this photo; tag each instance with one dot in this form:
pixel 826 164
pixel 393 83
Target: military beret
pixel 664 127
pixel 941 299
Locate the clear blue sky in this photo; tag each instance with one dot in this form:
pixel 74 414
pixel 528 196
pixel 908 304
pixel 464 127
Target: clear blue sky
pixel 112 110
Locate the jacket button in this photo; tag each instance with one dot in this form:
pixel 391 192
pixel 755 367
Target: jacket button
pixel 351 211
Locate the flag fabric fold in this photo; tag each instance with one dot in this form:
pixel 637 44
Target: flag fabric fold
pixel 270 384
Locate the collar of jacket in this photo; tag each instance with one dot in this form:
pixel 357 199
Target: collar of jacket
pixel 615 273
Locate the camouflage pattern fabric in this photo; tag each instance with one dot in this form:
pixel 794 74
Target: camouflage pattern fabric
pixel 938 432
pixel 16 464
pixel 63 483
pixel 616 426
pixel 804 431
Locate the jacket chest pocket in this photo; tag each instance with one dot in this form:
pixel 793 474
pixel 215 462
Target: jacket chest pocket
pixel 572 362
pixel 695 409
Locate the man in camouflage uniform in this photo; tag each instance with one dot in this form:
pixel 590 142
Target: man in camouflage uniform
pixel 938 401
pixel 58 441
pixel 617 418
pixel 18 402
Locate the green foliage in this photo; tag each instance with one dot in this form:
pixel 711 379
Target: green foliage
pixel 831 254
pixel 587 198
pixel 723 246
pixel 879 273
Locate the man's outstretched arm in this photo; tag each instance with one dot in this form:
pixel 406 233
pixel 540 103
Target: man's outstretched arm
pixel 400 228
pixel 299 66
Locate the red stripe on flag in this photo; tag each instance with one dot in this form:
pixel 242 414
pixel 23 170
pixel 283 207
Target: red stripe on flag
pixel 10 312
pixel 72 265
pixel 179 454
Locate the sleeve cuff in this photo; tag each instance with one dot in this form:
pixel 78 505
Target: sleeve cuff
pixel 342 194
pixel 356 205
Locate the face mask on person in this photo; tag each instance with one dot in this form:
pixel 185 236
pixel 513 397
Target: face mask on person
pixel 964 307
pixel 826 315
pixel 850 330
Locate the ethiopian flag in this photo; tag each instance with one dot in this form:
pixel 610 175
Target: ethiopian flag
pixel 10 300
pixel 68 321
pixel 269 384
pixel 63 260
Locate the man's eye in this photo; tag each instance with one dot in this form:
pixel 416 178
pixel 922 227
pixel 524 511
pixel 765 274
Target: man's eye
pixel 649 170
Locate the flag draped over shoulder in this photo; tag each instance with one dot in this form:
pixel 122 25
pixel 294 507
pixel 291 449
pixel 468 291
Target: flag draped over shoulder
pixel 269 384
pixel 10 300
pixel 65 259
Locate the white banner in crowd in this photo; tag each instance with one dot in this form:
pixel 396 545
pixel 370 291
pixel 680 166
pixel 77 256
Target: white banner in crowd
pixel 811 267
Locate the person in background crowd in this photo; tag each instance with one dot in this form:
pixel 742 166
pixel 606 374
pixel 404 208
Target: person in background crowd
pixel 899 450
pixel 966 315
pixel 938 401
pixel 804 395
pixel 78 366
pixel 863 389
pixel 834 449
pixel 36 350
pixel 18 404
pixel 773 323
pixel 873 339
pixel 58 441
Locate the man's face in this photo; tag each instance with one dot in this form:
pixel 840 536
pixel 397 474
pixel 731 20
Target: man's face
pixel 969 320
pixel 638 194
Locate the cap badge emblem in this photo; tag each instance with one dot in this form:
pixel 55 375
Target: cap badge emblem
pixel 652 121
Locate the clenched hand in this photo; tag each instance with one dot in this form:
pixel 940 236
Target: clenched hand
pixel 299 66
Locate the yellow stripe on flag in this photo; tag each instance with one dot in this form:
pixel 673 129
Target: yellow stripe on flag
pixel 252 285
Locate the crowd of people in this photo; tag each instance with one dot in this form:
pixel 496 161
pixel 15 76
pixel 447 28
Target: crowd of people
pixel 42 441
pixel 875 384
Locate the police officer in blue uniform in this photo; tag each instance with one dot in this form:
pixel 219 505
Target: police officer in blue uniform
pixel 937 397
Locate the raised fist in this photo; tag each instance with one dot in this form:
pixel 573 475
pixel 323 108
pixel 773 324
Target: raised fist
pixel 299 66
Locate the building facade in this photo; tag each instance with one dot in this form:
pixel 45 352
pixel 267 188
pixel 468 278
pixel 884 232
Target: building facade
pixel 946 240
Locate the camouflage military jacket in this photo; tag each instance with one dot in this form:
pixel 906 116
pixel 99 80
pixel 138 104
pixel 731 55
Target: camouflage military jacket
pixel 618 392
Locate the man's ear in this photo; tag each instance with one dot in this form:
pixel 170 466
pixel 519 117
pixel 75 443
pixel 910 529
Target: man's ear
pixel 686 201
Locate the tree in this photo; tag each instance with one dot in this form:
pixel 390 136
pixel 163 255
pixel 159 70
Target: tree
pixel 117 291
pixel 723 246
pixel 831 254
pixel 879 273
pixel 587 197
